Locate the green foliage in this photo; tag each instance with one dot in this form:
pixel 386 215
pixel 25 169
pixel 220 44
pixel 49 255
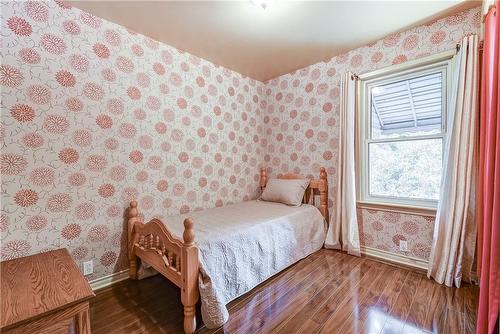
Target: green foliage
pixel 410 169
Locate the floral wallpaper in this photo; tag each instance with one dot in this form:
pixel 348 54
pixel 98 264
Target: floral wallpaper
pixel 94 115
pixel 301 121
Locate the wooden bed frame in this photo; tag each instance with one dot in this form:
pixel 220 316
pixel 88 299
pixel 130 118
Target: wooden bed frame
pixel 176 259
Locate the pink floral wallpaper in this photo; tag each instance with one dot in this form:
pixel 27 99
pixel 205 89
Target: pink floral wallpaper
pixel 94 115
pixel 301 120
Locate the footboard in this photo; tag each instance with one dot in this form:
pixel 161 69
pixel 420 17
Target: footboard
pixel 175 259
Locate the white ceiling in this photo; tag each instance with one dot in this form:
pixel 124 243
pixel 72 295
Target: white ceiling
pixel 264 44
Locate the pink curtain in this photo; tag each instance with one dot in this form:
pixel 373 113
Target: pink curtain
pixel 489 179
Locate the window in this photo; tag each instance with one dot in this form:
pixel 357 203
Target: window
pixel 402 128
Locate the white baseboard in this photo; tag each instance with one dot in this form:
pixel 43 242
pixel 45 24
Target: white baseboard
pixel 395 258
pixel 108 280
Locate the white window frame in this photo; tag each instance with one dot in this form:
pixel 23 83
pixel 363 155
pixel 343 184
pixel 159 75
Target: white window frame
pixel 440 62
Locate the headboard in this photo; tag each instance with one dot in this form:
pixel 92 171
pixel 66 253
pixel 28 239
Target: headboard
pixel 316 186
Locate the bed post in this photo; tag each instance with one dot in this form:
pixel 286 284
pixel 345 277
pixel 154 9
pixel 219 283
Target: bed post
pixel 189 270
pixel 263 178
pixel 323 193
pixel 131 239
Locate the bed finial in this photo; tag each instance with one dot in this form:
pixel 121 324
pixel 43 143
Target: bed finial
pixel 188 231
pixel 263 177
pixel 132 211
pixel 322 173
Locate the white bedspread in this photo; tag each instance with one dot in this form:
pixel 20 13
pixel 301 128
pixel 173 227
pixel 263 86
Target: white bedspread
pixel 242 245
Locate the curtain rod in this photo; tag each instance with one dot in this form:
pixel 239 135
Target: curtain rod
pixel 480 46
pixel 355 76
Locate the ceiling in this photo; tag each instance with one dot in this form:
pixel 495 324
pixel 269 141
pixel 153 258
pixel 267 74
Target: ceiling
pixel 264 44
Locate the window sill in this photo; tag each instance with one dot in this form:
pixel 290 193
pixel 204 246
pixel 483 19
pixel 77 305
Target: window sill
pixel 406 209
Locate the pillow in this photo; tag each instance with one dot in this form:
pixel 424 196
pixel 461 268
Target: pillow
pixel 289 192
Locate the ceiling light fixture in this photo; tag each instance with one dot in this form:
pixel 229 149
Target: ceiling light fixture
pixel 262 3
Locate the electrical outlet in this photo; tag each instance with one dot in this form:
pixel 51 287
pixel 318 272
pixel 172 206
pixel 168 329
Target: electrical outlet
pixel 88 267
pixel 403 245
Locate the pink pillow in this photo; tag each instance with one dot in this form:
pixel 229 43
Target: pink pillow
pixel 289 192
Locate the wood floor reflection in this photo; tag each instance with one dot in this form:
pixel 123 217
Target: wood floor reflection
pixel 328 292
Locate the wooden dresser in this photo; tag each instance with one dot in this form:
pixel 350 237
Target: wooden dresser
pixel 44 293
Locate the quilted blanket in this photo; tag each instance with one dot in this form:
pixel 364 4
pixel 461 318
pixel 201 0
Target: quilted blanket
pixel 242 245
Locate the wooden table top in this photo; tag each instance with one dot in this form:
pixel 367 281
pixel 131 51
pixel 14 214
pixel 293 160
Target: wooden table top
pixel 35 285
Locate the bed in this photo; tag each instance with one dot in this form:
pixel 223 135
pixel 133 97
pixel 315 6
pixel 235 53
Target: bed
pixel 237 247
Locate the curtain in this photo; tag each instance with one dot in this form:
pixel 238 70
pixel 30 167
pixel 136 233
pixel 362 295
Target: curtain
pixel 453 247
pixel 487 5
pixel 489 177
pixel 343 228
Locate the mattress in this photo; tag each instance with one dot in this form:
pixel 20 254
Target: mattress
pixel 241 245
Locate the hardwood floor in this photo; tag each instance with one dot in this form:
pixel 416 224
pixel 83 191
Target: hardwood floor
pixel 328 292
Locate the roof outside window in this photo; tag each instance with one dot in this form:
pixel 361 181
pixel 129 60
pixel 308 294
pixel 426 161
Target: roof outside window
pixel 410 105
